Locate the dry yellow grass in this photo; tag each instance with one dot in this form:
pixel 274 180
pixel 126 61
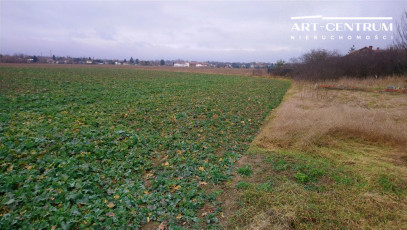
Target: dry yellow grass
pixel 371 83
pixel 313 117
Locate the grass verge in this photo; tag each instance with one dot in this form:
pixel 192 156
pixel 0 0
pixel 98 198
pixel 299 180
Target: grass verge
pixel 327 160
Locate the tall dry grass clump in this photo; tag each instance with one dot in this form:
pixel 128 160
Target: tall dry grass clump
pixel 314 117
pixel 371 83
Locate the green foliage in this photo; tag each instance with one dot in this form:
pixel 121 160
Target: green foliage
pixel 278 164
pixel 305 170
pixel 217 192
pixel 302 177
pixel 279 64
pixel 117 148
pixel 266 187
pixel 391 185
pixel 309 173
pixel 242 185
pixel 245 170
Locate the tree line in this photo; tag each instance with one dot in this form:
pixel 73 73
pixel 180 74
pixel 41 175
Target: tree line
pixel 366 62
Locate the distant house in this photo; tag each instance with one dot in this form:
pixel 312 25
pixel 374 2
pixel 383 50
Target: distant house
pixel 198 64
pixel 89 61
pixel 181 64
pixel 368 62
pixel 364 50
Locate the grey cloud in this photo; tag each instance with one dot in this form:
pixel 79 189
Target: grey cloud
pixel 194 30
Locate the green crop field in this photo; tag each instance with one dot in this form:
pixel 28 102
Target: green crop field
pixel 118 148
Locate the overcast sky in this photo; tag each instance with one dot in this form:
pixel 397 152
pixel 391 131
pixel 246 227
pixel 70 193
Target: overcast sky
pixel 190 30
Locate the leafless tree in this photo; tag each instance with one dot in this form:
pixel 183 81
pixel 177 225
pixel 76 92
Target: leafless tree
pixel 401 33
pixel 323 64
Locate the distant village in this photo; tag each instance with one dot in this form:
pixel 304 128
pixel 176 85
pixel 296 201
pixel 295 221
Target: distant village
pixel 21 58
